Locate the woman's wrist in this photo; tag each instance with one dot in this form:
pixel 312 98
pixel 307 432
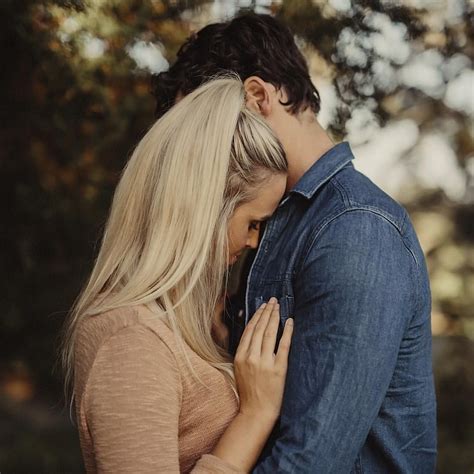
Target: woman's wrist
pixel 263 418
pixel 244 439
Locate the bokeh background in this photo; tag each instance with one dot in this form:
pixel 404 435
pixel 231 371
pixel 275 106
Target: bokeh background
pixel 396 80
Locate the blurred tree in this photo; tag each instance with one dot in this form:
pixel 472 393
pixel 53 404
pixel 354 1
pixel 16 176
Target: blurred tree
pixel 70 118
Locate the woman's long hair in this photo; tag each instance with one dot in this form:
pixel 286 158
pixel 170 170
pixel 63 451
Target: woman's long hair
pixel 165 241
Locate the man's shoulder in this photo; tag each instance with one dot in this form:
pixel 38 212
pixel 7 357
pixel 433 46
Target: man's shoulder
pixel 351 191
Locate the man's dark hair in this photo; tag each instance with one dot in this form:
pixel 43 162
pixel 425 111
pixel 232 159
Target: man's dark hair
pixel 249 45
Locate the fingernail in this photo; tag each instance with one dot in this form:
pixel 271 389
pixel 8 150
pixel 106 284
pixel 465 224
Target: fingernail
pixel 289 321
pixel 272 300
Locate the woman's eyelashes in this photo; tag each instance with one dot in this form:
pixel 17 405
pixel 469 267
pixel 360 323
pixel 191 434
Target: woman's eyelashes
pixel 254 225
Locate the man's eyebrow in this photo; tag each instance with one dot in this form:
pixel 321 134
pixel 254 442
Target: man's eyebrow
pixel 264 218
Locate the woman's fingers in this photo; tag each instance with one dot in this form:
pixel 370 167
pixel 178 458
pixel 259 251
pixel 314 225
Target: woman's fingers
pixel 260 374
pixel 270 334
pixel 281 358
pixel 246 338
pixel 255 348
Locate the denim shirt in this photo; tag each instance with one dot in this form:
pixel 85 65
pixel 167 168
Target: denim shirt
pixel 343 259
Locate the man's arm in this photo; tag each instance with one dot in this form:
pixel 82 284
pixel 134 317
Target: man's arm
pixel 353 301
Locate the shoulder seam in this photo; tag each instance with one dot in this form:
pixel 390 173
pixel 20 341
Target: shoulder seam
pixel 330 219
pixel 345 198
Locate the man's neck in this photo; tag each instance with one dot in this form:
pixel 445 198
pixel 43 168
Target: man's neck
pixel 309 141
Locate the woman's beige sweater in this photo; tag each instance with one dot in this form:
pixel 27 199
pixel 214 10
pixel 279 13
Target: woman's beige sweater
pixel 138 408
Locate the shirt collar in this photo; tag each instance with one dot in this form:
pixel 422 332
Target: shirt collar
pixel 323 170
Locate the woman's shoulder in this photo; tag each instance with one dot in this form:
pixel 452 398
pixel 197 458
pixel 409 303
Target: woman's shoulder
pixel 133 325
pixel 130 334
pixel 94 330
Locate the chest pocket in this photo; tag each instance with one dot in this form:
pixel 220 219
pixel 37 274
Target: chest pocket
pixel 286 311
pixel 281 287
pixel 286 306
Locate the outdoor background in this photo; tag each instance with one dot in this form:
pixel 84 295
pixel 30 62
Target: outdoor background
pixel 396 81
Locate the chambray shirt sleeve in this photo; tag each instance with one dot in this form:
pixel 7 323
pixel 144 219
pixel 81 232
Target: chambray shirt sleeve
pixel 353 301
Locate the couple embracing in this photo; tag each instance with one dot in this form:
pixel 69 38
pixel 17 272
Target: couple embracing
pixel 322 364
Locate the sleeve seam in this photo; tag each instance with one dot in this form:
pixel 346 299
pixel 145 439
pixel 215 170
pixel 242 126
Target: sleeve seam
pixel 318 231
pixel 341 190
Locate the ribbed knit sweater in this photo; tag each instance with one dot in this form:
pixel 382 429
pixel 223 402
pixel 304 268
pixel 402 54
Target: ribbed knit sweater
pixel 138 408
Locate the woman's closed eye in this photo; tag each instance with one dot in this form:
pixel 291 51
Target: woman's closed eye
pixel 254 225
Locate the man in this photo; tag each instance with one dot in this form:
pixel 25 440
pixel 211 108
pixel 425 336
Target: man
pixel 344 261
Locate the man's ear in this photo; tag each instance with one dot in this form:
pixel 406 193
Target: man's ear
pixel 258 95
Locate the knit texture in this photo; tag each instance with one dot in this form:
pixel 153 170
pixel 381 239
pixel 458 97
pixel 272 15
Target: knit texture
pixel 139 410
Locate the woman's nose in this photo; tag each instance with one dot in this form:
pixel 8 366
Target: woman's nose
pixel 252 240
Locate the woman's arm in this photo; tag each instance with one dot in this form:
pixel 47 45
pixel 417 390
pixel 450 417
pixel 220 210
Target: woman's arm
pixel 243 440
pixel 260 376
pixel 132 403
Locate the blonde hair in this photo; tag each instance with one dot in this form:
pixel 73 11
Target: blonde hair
pixel 165 241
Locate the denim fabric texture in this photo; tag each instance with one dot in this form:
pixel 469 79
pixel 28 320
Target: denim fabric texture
pixel 344 261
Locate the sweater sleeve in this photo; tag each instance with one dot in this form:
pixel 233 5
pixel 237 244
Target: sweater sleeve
pixel 132 406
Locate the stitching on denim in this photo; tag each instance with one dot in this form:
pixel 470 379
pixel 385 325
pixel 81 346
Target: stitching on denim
pixel 411 252
pixel 330 219
pixel 312 192
pixel 419 302
pixel 285 276
pixel 345 196
pixel 341 191
pixel 358 205
pixel 404 225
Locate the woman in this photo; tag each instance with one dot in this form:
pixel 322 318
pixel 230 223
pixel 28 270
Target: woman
pixel 153 390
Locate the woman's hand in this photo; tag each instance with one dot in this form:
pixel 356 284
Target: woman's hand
pixel 260 373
